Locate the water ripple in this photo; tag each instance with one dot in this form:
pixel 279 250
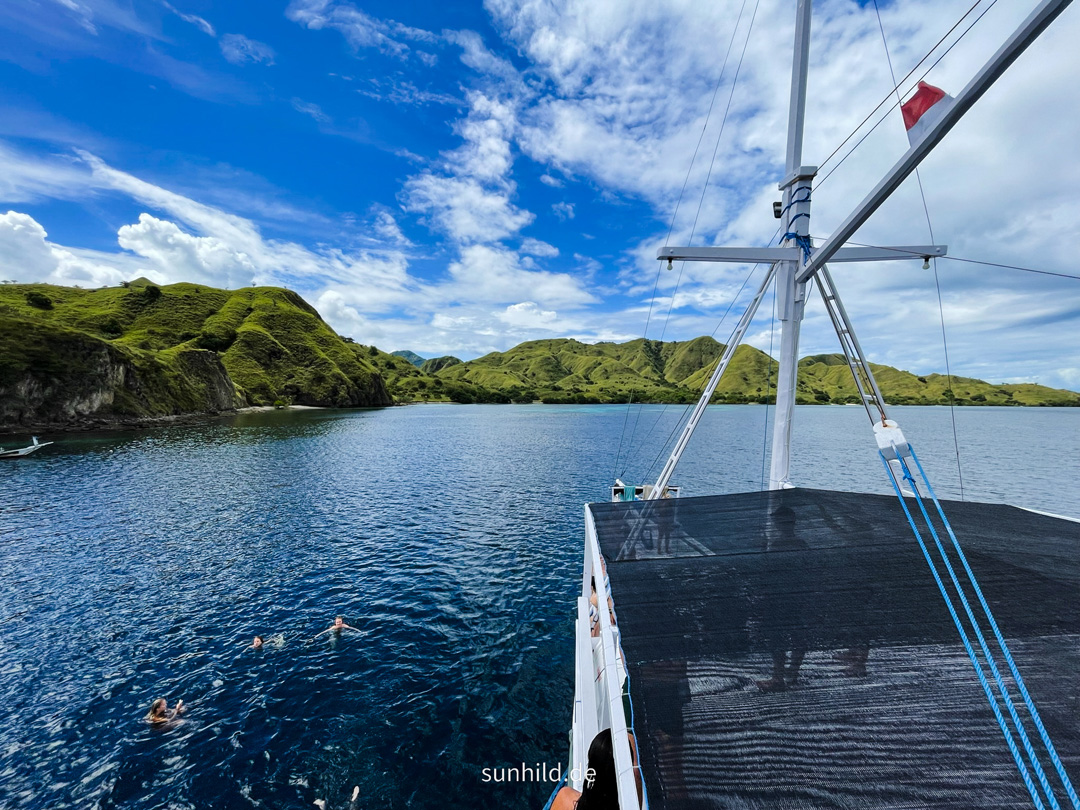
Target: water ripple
pixel 139 565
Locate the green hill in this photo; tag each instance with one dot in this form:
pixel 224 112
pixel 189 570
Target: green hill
pixel 436 364
pixel 74 356
pixel 565 370
pixel 642 370
pixel 412 357
pixel 78 357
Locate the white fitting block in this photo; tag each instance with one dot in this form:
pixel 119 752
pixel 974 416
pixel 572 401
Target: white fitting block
pixel 890 440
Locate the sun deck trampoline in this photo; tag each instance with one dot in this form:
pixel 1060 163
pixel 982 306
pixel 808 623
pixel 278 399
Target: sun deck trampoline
pixel 793 649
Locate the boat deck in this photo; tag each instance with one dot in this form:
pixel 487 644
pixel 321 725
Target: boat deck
pixel 718 599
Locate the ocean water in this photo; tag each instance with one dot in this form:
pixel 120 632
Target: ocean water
pixel 141 564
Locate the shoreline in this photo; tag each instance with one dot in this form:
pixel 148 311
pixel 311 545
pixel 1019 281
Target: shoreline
pixel 121 423
pixel 91 424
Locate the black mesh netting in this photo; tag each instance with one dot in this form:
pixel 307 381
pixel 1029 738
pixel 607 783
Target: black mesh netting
pixel 791 649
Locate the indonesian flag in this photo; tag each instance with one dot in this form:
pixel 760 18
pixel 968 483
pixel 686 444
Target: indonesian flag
pixel 923 110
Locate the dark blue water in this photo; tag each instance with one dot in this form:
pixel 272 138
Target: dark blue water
pixel 140 565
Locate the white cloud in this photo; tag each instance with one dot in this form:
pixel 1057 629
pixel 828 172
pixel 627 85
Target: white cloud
pixel 405 93
pixel 26 255
pixel 470 198
pixel 83 14
pixel 238 49
pixel 487 273
pixel 563 210
pixel 28 179
pixel 195 20
pixel 388 229
pixel 464 209
pixel 534 247
pixel 360 29
pixel 476 55
pixel 313 110
pixel 202 259
pixel 528 315
pixel 548 180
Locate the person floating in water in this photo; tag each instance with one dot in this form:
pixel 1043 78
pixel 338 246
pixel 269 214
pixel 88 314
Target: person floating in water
pixel 257 643
pixel 337 627
pixel 161 713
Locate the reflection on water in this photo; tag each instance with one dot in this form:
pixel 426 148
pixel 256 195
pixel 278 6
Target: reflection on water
pixel 140 565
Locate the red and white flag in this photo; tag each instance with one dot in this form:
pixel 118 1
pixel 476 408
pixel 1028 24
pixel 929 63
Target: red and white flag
pixel 923 110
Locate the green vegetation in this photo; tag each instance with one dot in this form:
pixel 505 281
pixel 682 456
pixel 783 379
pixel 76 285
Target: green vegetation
pixel 406 383
pixel 69 355
pixel 412 357
pixel 142 351
pixel 437 364
pixel 565 371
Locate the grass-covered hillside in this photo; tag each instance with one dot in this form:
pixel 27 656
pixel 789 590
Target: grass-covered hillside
pixel 69 355
pixel 677 371
pixel 646 370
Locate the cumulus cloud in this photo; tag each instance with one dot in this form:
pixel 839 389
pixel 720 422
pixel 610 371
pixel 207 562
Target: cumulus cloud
pixel 238 49
pixel 26 255
pixel 202 259
pixel 464 209
pixel 470 198
pixel 529 316
pixel 488 273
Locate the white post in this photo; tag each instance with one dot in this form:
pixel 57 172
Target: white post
pixel 790 294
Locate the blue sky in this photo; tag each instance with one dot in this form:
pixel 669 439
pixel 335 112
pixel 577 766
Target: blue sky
pixel 457 177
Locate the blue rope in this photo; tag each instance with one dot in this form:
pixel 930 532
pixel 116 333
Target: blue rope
pixel 801 240
pixel 1032 757
pixel 1001 643
pixel 794 200
pixel 967 644
pixel 555 792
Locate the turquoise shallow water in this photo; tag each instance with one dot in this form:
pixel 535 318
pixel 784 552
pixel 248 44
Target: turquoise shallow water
pixel 141 564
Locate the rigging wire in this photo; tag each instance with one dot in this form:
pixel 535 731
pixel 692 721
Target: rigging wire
pixel 701 201
pixel 896 89
pixel 671 227
pixel 1012 267
pixel 890 93
pixel 679 424
pixel 970 261
pixel 712 163
pixel 937 281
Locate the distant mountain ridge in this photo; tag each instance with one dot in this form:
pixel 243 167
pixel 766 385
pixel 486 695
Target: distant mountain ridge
pixel 83 358
pixel 565 370
pixel 412 357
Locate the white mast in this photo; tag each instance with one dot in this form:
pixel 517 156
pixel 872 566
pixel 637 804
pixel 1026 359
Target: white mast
pixel 791 294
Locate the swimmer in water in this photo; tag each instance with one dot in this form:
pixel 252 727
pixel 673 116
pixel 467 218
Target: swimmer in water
pixel 337 627
pixel 160 712
pixel 257 643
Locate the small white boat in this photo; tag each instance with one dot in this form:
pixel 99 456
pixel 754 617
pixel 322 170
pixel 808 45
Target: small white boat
pixel 24 451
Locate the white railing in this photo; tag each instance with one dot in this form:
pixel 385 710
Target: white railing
pixel 598 701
